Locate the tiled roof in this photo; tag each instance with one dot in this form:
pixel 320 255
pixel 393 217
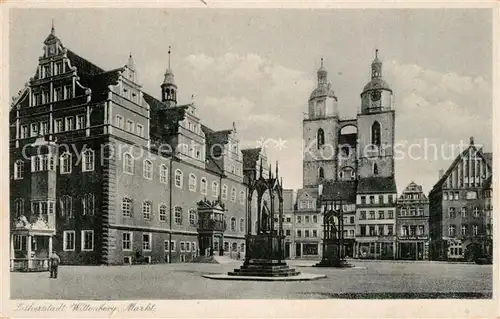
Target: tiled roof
pixel 84 66
pixel 340 190
pixel 312 191
pixel 99 83
pixel 377 185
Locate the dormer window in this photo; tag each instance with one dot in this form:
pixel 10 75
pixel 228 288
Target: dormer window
pixel 46 71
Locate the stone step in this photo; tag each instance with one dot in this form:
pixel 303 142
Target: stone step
pixel 264 274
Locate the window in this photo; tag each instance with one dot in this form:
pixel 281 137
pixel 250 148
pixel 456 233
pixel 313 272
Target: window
pixel 224 191
pixel 88 204
pixel 19 242
pixel 307 219
pixel 80 122
pixel 45 97
pixel 380 214
pixel 315 219
pixel 321 173
pixel 474 230
pixel 58 94
pixel 66 206
pixel 130 126
pixel 242 225
pixel 44 128
pixel 372 215
pixel 452 212
pixel 147 169
pixel 463 230
pixel 162 212
pixel 146 210
pixel 37 99
pixel 476 212
pixel 18 169
pixel 376 134
pixel 299 233
pixel 203 186
pixel 188 246
pixel 19 207
pixel 380 199
pixel 46 71
pixel 233 224
pixel 471 195
pixel 163 174
pixel 87 240
pixel 375 169
pixel 24 131
pixel 463 212
pixel 192 182
pixel 128 163
pixel 215 189
pixel 363 200
pixel 390 230
pixel 315 233
pixel 233 194
pixel 59 68
pixel 372 230
pixel 455 195
pixel 362 215
pixel 146 241
pixel 69 240
pixel 58 126
pixel 119 121
pixel 178 215
pixel 88 160
pixel 70 123
pixel 34 129
pixel 299 219
pixel 127 241
pixel 320 137
pixel 192 217
pixel 451 231
pixel 445 196
pixel 178 178
pixel 140 130
pixel 127 207
pixel 242 197
pixel 390 214
pixel 287 232
pixel 420 211
pixel 226 246
pixel 372 199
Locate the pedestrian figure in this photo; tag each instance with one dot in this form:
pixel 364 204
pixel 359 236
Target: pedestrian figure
pixel 54 261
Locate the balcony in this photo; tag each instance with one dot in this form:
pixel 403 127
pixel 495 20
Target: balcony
pixel 211 225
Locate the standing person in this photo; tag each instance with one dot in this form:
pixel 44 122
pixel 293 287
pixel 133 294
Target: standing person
pixel 54 261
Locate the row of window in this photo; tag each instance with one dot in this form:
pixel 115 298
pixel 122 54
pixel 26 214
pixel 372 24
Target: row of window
pixel 147 243
pixel 48 71
pixel 411 211
pixel 44 208
pixel 373 200
pixel 59 94
pixel 234 247
pixel 47 163
pixel 465 230
pixel 307 219
pixel 148 167
pixel 307 233
pixel 456 195
pixel 464 212
pixel 376 230
pixel 69 123
pixel 371 215
pixel 147 214
pixel 131 127
pixel 412 230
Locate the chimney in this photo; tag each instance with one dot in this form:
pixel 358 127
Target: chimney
pixel 441 173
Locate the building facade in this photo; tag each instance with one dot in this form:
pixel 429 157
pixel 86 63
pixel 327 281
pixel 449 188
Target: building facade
pixel 413 224
pixel 460 207
pixel 356 150
pixel 115 175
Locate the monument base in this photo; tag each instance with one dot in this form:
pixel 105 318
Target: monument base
pixel 261 268
pixel 336 263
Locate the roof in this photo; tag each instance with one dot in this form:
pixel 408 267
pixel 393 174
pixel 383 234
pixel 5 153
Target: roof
pixel 312 191
pixel 216 137
pixel 488 157
pixel 322 91
pixel 487 183
pixel 340 190
pixel 377 184
pixel 376 84
pixel 83 65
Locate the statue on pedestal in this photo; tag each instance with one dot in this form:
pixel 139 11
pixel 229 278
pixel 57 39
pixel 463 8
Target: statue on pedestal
pixel 265 215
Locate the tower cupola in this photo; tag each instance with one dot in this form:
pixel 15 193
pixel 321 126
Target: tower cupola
pixel 377 94
pixel 168 88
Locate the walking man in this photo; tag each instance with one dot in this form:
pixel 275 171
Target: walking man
pixel 54 261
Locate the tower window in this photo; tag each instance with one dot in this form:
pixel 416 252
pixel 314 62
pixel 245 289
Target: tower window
pixel 376 133
pixel 321 137
pixel 375 169
pixel 321 173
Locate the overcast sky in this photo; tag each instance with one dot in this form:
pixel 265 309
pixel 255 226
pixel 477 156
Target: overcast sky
pixel 258 67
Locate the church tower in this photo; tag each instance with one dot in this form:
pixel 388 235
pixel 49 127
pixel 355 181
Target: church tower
pixel 168 88
pixel 320 133
pixel 376 126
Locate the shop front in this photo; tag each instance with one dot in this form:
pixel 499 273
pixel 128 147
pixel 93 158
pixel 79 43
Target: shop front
pixel 413 248
pixel 308 250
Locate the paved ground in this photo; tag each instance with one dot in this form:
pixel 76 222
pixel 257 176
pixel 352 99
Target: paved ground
pixel 374 279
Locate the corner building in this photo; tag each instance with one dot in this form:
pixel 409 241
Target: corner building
pixel 109 174
pixel 358 152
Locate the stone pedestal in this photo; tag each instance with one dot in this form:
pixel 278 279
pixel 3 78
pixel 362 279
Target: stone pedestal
pixel 264 257
pixel 331 257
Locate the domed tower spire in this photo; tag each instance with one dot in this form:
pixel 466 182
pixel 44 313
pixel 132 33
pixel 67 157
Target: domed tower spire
pixel 376 67
pixel 322 75
pixel 168 88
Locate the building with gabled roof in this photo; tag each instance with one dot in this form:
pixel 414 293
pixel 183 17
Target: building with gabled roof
pixel 460 206
pixel 117 174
